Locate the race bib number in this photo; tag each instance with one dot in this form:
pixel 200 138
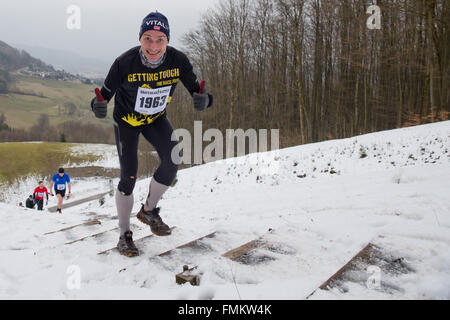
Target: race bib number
pixel 151 101
pixel 61 187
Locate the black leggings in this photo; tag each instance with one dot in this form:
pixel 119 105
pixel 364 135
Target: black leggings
pixel 40 204
pixel 159 134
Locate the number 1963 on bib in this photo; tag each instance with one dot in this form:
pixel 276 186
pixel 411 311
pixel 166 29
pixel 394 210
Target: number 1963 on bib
pixel 151 101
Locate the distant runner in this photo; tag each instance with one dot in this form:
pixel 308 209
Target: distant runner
pixel 59 180
pixel 39 193
pixel 30 202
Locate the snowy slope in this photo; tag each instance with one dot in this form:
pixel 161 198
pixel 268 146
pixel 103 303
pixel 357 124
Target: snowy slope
pixel 324 201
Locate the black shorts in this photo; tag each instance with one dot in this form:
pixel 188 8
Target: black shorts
pixel 61 192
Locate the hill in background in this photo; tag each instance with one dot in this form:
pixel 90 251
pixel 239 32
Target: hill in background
pixel 69 61
pixel 12 59
pixel 34 94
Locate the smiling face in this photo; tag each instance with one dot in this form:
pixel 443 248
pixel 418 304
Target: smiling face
pixel 153 44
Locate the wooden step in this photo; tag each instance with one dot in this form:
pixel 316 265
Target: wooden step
pixel 191 244
pixel 338 273
pixel 135 241
pixel 79 201
pixel 87 223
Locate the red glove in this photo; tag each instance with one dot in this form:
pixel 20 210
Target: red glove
pixel 99 104
pixel 99 95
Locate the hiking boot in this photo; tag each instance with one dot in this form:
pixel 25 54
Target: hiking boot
pixel 126 245
pixel 152 218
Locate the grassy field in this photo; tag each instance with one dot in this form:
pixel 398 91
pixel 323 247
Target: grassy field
pixel 21 159
pixel 22 111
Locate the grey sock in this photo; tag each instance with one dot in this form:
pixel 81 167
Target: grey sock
pixel 156 191
pixel 124 205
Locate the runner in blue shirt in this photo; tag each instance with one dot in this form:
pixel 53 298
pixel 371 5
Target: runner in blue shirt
pixel 59 180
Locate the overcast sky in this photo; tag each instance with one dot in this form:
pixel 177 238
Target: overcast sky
pixel 107 28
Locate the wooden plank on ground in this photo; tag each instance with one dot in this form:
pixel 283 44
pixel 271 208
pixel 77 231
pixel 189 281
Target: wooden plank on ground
pixel 235 253
pixel 135 241
pixel 338 273
pixel 191 244
pixel 87 223
pixel 92 236
pixel 190 275
pixel 79 201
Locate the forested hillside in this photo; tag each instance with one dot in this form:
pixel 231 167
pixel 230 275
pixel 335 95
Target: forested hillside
pixel 315 70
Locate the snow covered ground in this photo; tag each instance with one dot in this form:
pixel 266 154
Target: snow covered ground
pixel 106 152
pixel 324 202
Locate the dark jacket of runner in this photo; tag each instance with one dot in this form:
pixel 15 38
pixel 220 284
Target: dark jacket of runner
pixel 128 73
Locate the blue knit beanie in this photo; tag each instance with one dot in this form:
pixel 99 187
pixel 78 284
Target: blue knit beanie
pixel 155 21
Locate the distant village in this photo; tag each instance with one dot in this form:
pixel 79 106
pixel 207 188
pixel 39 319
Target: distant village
pixel 36 71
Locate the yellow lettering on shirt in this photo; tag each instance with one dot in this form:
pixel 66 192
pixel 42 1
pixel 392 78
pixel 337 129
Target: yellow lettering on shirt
pixel 162 76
